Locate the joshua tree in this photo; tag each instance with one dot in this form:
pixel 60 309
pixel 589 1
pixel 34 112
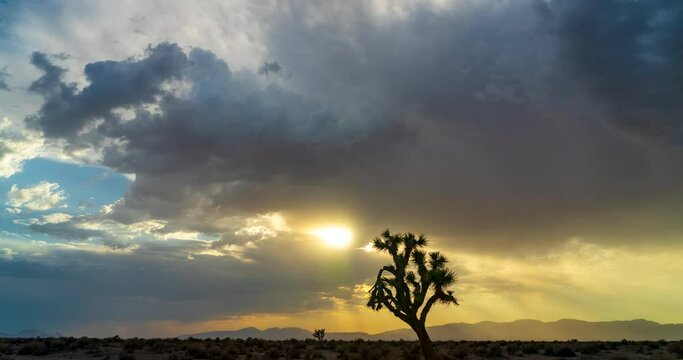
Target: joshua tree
pixel 319 334
pixel 403 287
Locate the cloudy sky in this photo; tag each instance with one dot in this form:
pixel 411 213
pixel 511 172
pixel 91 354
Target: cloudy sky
pixel 169 167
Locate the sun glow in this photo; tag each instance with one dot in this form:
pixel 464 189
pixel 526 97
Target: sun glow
pixel 334 236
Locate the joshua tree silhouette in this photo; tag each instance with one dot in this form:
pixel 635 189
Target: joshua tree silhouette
pixel 319 334
pixel 403 291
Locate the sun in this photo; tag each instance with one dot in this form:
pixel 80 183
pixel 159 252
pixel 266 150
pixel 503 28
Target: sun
pixel 334 236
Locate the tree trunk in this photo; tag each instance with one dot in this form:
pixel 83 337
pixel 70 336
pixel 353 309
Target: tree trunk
pixel 425 342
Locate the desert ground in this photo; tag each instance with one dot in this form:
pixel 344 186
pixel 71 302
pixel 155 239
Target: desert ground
pixel 176 349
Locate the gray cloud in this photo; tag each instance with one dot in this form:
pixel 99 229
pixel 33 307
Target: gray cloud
pixel 432 63
pixel 4 151
pixel 226 132
pixel 69 230
pixel 66 230
pixel 487 115
pixel 112 85
pixel 510 143
pixel 144 286
pixel 628 54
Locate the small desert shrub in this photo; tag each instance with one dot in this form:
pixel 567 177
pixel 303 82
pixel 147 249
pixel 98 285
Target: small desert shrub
pixel 676 347
pixel 619 356
pixel 412 352
pixel 460 351
pixel 5 348
pixel 317 355
pixel 653 344
pixel 84 343
pixel 160 346
pixel 57 345
pixel 588 348
pixel 215 352
pixel 513 349
pixel 481 350
pixel 130 345
pixel 294 353
pixel 661 355
pixel 234 349
pixel 93 352
pixel 385 350
pixel 565 352
pixel 530 348
pixel 558 351
pixel 369 353
pixel 489 350
pixel 197 351
pixel 273 353
pixel 35 347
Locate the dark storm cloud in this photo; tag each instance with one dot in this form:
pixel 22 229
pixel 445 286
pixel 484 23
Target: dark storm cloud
pixel 113 84
pixel 88 287
pixel 437 64
pixel 50 82
pixel 509 143
pixel 225 131
pixel 630 55
pixel 481 122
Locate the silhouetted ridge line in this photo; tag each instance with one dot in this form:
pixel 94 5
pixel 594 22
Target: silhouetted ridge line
pixel 526 329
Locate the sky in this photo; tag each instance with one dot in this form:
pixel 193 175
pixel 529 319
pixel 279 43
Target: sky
pixel 170 167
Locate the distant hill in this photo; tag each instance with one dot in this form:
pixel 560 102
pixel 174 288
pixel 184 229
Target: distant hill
pixel 270 334
pixel 487 330
pixel 28 334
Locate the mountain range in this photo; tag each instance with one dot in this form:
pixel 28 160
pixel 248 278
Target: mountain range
pixel 30 333
pixel 486 330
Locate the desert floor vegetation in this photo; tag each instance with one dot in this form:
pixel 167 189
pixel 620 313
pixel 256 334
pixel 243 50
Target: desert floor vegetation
pixel 115 348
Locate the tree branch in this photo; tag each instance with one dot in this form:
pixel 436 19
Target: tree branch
pixel 428 306
pixel 438 295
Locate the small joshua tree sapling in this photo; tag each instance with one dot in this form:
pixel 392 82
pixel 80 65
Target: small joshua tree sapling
pixel 319 334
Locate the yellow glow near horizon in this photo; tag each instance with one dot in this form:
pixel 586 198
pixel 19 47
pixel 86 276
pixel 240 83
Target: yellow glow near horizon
pixel 334 236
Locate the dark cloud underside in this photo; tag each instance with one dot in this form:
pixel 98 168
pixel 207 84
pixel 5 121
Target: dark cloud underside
pixel 496 118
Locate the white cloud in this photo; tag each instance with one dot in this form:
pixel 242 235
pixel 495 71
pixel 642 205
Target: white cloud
pixel 147 226
pixel 12 210
pixel 7 253
pixel 238 32
pixel 5 123
pixel 56 218
pixel 16 147
pixel 42 196
pixel 264 226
